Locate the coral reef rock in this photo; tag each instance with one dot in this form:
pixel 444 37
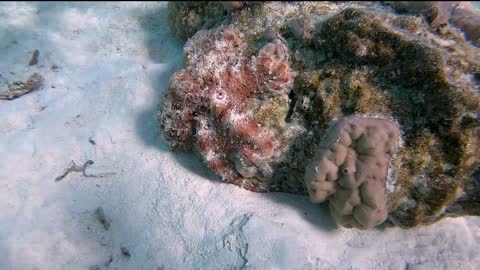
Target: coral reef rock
pixel 460 14
pixel 266 89
pixel 186 18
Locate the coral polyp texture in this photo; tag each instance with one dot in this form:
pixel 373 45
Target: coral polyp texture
pixel 350 170
pixel 266 87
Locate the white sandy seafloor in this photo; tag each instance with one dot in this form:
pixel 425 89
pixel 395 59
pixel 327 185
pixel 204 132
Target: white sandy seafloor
pixel 113 62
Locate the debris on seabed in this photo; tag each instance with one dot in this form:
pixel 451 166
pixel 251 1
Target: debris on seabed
pixel 100 216
pixel 125 252
pixel 72 167
pixel 92 141
pixel 18 88
pixel 34 59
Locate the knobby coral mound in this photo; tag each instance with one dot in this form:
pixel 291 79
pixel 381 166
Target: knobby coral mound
pixel 209 105
pixel 258 96
pixel 350 170
pixel 373 67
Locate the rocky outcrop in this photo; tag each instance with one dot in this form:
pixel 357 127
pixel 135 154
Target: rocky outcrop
pixel 259 94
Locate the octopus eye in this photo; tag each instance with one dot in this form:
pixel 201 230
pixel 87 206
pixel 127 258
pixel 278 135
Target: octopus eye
pixel 207 127
pixel 220 95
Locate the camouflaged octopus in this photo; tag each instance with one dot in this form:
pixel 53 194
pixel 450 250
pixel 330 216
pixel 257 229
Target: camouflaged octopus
pixel 207 105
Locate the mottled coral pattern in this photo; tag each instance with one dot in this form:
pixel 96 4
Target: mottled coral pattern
pixel 350 170
pixel 205 105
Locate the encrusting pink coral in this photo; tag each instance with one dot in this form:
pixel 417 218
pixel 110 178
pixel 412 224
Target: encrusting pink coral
pixel 206 105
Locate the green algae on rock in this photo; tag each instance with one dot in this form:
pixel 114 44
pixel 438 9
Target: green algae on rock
pixel 186 18
pixel 356 60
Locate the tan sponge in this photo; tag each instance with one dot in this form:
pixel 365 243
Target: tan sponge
pixel 350 170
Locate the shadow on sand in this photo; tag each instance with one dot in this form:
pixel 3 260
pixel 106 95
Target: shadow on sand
pixel 163 47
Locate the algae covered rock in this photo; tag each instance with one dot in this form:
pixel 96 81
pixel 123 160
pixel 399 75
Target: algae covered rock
pixel 287 72
pixel 374 68
pixel 186 18
pixel 461 14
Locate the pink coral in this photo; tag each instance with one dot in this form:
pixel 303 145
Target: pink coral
pixel 206 105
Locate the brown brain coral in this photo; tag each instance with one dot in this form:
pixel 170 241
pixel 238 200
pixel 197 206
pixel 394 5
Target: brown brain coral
pixel 206 105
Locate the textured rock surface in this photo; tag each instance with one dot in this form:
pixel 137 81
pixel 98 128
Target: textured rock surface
pixel 186 18
pixel 350 59
pixel 461 14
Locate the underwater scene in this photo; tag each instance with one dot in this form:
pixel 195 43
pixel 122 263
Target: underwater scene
pixel 240 135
